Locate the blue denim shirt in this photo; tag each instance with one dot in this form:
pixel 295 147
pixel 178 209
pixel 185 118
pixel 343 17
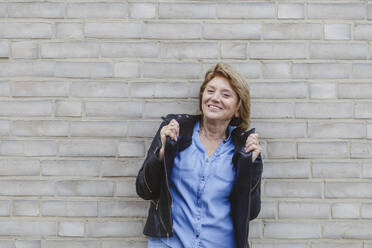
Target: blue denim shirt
pixel 200 187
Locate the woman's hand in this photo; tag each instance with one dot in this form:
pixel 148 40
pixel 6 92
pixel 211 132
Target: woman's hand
pixel 172 130
pixel 252 144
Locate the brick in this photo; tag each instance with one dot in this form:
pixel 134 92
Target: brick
pixel 123 209
pixel 28 148
pixel 246 69
pixel 347 230
pixel 355 90
pixel 69 30
pixel 25 108
pixel 68 108
pixel 233 50
pixel 120 168
pixel 268 210
pixel 159 90
pixel 286 170
pixel 142 10
pixel 278 244
pixel 335 170
pixel 361 150
pixel 130 109
pixel 369 131
pixel 349 11
pixel 333 31
pixel 19 167
pixel 126 187
pixel 342 244
pixel 4 208
pixel 26 208
pixel 3 12
pixel 269 50
pixel 84 69
pixel 232 31
pixel 280 129
pixel 71 228
pixel 290 11
pixel 171 70
pixel 323 91
pixel 4 128
pixel 36 10
pixel 158 109
pixel 348 190
pixel 98 129
pixel 87 148
pixel 362 31
pixel 330 129
pixel 195 10
pixel 28 244
pixel 23 30
pixel 276 70
pixel 70 168
pixel 143 128
pixel 99 89
pixel 72 243
pixel 27 228
pixel 113 229
pixel 363 109
pixel 112 30
pixel 127 69
pixel 69 50
pixel 246 10
pixel 96 10
pixel 123 243
pixel 290 230
pixel 129 50
pixel 255 229
pixel 324 110
pixel 335 149
pixel 321 50
pixel 171 31
pixel 292 31
pixel 4 88
pixel 293 189
pixel 271 110
pixel 343 210
pixel 366 211
pixel 281 149
pixel 69 208
pixel 26 188
pixel 4 48
pixel 183 50
pixel 27 69
pixel 131 149
pixel 278 90
pixel 303 210
pixel 85 188
pixel 362 71
pixel 321 70
pixel 54 89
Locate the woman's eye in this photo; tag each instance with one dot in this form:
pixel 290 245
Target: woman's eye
pixel 210 91
pixel 226 95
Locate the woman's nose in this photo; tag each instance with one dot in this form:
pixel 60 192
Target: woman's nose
pixel 216 97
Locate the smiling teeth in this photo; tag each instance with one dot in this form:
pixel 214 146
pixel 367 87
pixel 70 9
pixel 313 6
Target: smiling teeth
pixel 215 107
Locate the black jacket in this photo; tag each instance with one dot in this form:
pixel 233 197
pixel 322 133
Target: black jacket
pixel 152 181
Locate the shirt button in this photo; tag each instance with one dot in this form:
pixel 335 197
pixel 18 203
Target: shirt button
pixel 197 235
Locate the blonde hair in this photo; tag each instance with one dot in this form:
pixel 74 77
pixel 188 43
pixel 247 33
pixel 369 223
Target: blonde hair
pixel 239 85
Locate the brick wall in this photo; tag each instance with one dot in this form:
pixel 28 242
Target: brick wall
pixel 83 84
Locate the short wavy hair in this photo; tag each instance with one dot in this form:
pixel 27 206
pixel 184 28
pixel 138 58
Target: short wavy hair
pixel 239 84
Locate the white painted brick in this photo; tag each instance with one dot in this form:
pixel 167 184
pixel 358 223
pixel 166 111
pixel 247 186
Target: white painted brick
pixel 292 31
pixel 160 90
pixel 71 228
pixel 98 129
pixel 70 168
pixel 158 109
pixel 114 109
pixel 68 108
pixel 362 31
pixel 232 31
pixel 290 11
pixel 69 30
pixel 171 70
pixel 282 50
pixel 54 89
pixel 19 167
pixel 4 49
pixel 127 69
pixel 123 243
pixel 363 109
pixel 367 170
pixel 3 9
pixel 131 149
pixel 120 168
pixel 331 129
pixel 96 10
pixel 24 30
pixel 70 208
pixel 7 243
pixel 271 110
pixel 4 128
pixel 99 89
pixel 347 230
pixel 321 50
pixel 84 69
pixel 28 148
pixel 303 210
pixel 170 31
pixel 85 188
pixel 268 210
pixel 369 131
pixel 26 188
pixel 112 30
pixel 355 90
pixel 246 69
pixel 25 108
pixel 186 50
pixel 233 50
pixel 278 90
pixel 26 208
pixel 255 229
pixel 27 69
pixel 343 210
pixel 281 149
pixel 142 10
pixel 123 209
pixel 87 148
pixel 291 230
pixel 113 229
pixel 350 11
pixel 27 228
pixel 28 244
pixel 126 187
pixel 276 70
pixel 4 208
pixel 323 91
pixel 348 190
pixel 333 31
pixel 246 10
pixel 4 88
pixel 69 50
pixel 286 170
pixel 293 189
pixel 324 110
pixel 335 170
pixel 366 210
pixel 278 244
pixel 280 129
pixel 39 128
pixel 196 10
pixel 129 50
pixel 335 149
pixel 36 10
pixel 339 244
pixel 361 149
pixel 321 70
pixel 362 71
pixel 143 128
pixel 72 243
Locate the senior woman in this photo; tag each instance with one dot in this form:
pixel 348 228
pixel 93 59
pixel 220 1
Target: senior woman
pixel 202 172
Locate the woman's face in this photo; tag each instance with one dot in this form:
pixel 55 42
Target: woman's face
pixel 219 100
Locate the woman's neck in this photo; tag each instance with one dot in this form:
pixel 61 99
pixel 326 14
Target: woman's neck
pixel 214 130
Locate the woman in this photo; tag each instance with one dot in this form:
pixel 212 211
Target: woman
pixel 202 173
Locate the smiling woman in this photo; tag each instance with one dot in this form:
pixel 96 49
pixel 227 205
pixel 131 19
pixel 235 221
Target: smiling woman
pixel 202 173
